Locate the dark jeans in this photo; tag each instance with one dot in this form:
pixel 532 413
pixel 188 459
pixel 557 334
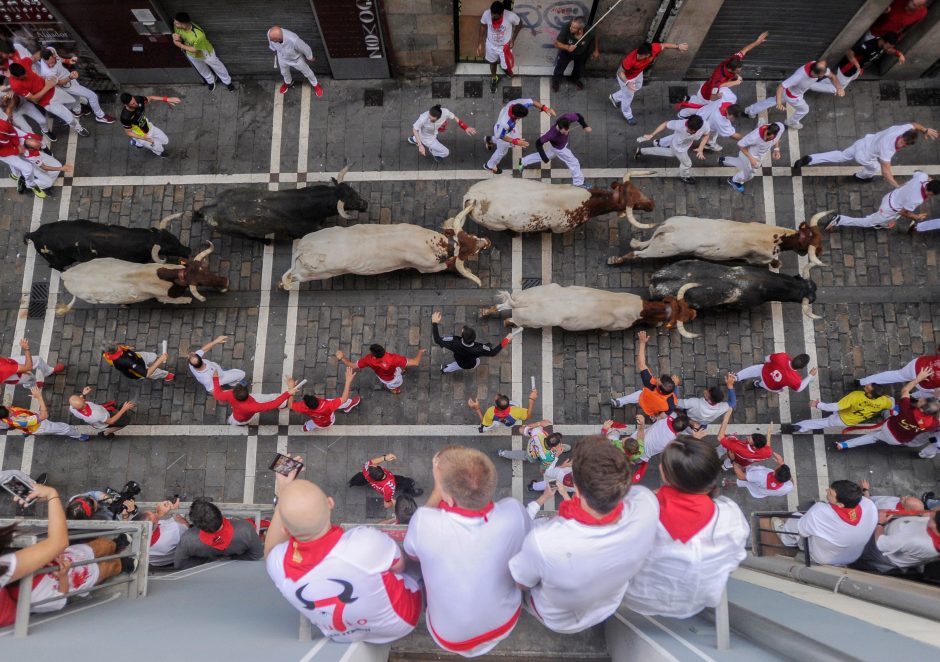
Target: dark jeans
pixel 564 57
pixel 403 484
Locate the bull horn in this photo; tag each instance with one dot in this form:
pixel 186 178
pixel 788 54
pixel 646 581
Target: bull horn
pixel 680 327
pixel 814 221
pixel 638 173
pixel 341 209
pixel 195 293
pixel 628 212
pixel 685 288
pixel 204 254
pixel 455 223
pixel 808 310
pixel 155 255
pixel 342 174
pixel 815 261
pixel 165 221
pixel 461 269
pixel 62 309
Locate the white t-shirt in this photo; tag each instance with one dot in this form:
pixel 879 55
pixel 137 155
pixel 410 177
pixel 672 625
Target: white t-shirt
pixel 910 196
pixel 756 145
pixel 291 48
pixel 883 145
pixel 465 564
pixel 501 35
pixel 801 80
pixel 204 376
pixel 578 573
pixel 833 541
pixel 906 542
pixel 701 411
pixel 58 69
pixel 351 594
pixel 759 483
pixel 657 437
pixel 717 123
pixel 96 418
pixel 162 549
pixel 81 577
pixel 428 128
pixel 503 127
pixel 8 560
pixel 680 579
pixel 681 138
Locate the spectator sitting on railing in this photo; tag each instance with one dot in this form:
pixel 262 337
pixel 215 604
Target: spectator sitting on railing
pixel 907 535
pixel 699 541
pixel 214 537
pixel 350 584
pixel 105 505
pixel 19 563
pixel 838 528
pixel 166 532
pixel 574 566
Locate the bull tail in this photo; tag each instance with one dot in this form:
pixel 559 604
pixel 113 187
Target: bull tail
pixel 64 308
pixel 505 298
pixel 28 237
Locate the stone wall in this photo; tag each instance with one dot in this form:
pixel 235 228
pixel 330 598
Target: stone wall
pixel 621 32
pixel 421 39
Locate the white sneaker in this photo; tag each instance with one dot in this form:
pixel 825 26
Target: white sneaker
pixel 795 125
pixel 726 465
pixel 613 102
pixel 614 403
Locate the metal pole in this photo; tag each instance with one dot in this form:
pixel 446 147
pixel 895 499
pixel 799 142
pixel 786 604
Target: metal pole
pixel 21 627
pixel 722 623
pixel 596 23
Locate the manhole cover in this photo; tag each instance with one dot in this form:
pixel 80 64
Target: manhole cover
pixel 927 97
pixel 38 298
pixel 890 91
pixel 510 93
pixel 375 98
pixel 531 282
pixel 473 89
pixel 375 508
pixel 440 90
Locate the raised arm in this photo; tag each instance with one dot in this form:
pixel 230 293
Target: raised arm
pixel 921 376
pixel 754 44
pixel 217 341
pixel 32 558
pixel 342 357
pixel 806 380
pixel 416 359
pixel 126 407
pixel 350 375
pixel 723 429
pixel 153 367
pixel 28 358
pixel 43 410
pixel 642 339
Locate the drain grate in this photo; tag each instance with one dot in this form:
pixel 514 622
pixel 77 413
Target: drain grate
pixel 38 299
pixel 375 508
pixel 531 282
pixel 375 98
pixel 923 97
pixel 889 91
pixel 473 89
pixel 677 94
pixel 440 90
pixel 510 93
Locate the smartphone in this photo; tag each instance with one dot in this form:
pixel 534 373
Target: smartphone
pixel 285 464
pixel 553 484
pixel 18 484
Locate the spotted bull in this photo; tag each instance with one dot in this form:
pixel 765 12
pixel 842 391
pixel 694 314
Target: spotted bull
pixel 112 281
pixel 528 205
pixel 64 243
pixel 289 214
pixel 584 308
pixel 368 250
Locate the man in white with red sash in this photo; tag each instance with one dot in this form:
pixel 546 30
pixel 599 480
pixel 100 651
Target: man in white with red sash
pixel 349 584
pixel 838 528
pixel 165 533
pixel 791 91
pixel 464 542
pixel 763 482
pixel 574 566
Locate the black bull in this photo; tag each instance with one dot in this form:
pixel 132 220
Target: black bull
pixel 287 214
pixel 729 287
pixel 65 243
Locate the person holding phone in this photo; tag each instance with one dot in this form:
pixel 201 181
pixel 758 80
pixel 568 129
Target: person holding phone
pixel 384 481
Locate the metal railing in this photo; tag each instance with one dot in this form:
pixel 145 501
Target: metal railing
pixel 132 585
pixel 251 511
pixel 759 542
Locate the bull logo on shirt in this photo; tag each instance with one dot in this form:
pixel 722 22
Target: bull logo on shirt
pixel 338 602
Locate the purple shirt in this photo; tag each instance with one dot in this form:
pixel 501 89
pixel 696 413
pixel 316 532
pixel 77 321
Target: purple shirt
pixel 558 139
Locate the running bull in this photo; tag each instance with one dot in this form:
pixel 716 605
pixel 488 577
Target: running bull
pixel 584 308
pixel 719 239
pixel 64 243
pixel 287 214
pixel 368 250
pixel 528 205
pixel 731 287
pixel 108 280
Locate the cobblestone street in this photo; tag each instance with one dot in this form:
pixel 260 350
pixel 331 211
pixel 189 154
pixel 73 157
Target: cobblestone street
pixel 878 296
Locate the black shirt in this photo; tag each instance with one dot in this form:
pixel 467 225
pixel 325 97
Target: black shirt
pixel 866 52
pixel 568 39
pixel 135 117
pixel 465 355
pixel 129 363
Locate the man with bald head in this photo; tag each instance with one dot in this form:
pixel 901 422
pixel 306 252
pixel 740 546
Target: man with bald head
pixel 106 418
pixel 349 584
pixel 292 51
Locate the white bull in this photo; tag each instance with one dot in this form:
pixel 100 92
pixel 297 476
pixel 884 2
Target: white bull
pixel 577 308
pixel 528 205
pixel 721 240
pixel 371 249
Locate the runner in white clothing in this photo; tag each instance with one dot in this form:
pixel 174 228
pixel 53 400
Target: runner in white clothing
pixel 499 28
pixel 292 52
pixel 106 417
pixel 52 65
pixel 506 131
pixel 873 152
pixel 574 565
pixel 903 542
pixel 165 532
pixel 899 203
pixel 720 116
pixel 27 370
pixel 203 369
pixel 428 125
pixel 791 91
pixel 684 133
pixel 711 406
pixel 45 167
pixel 763 482
pixel 753 147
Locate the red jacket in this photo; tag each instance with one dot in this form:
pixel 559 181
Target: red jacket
pixel 243 410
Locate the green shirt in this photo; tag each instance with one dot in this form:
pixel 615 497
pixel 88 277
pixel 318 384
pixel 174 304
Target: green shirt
pixel 565 37
pixel 197 39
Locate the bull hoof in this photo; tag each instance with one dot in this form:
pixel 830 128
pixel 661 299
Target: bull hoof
pixel 486 312
pixel 508 323
pixel 616 259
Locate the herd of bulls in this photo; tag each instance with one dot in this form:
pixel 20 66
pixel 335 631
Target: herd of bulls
pixel 111 264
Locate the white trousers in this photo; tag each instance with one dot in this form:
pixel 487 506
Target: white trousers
pixel 149 358
pixel 300 65
pixel 453 367
pixel 927 226
pixel 435 146
pixel 396 381
pixel 826 87
pixel 21 168
pixel 310 426
pixel 159 140
pixel 754 372
pixel 493 54
pixel 211 66
pixel 27 109
pixel 905 374
pixel 59 106
pixel 80 92
pixel 727 96
pixel 631 399
pixel 45 179
pixel 881 434
pixel 60 429
pixel 871 166
pixel 565 155
pixel 745 171
pixel 668 147
pixel 879 219
pixel 41 370
pixel 502 147
pixel 624 96
pixel 831 421
pixel 800 107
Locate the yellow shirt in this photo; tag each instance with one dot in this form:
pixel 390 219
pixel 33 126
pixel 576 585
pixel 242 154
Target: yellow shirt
pixel 857 407
pixel 516 416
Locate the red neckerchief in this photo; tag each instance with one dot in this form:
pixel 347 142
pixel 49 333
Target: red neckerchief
pixel 302 556
pixel 808 68
pixel 849 515
pixel 497 24
pixel 155 536
pixel 571 509
pixel 568 481
pixel 482 512
pixel 934 538
pixel 669 424
pixel 86 410
pixel 763 132
pixel 923 191
pixel 501 413
pixel 723 108
pixel 114 356
pixel 683 514
pixel 219 539
pixel 772 483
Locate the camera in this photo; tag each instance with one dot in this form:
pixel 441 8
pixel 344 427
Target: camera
pixel 117 498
